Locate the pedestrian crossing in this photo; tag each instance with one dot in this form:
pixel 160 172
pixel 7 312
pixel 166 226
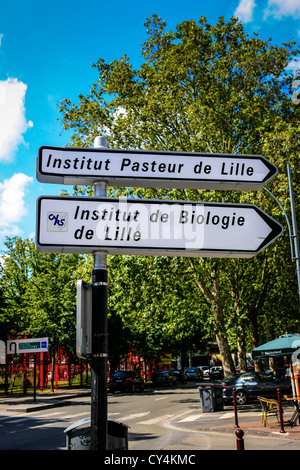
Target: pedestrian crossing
pixel 190 418
pixel 143 418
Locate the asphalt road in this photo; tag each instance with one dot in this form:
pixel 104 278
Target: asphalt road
pixel 164 419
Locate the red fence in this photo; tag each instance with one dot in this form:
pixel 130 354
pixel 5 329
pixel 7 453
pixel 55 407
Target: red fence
pixel 18 375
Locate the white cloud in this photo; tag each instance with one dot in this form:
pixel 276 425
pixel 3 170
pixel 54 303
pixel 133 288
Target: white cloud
pixel 12 205
pixel 294 65
pixel 244 10
pixel 13 123
pixel 280 8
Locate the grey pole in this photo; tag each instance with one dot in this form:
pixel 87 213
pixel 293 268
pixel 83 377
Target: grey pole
pixel 294 223
pixel 292 233
pixel 287 221
pixel 99 430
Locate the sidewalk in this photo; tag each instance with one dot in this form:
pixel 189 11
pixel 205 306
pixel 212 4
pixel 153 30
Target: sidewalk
pixel 44 400
pixel 248 418
pixel 250 423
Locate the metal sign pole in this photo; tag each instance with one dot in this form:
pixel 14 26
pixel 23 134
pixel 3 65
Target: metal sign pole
pixel 34 378
pixel 295 236
pixel 99 430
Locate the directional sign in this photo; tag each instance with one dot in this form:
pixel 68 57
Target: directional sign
pixel 85 166
pixel 32 345
pixel 148 227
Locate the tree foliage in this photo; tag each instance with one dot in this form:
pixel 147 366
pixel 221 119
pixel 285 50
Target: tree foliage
pixel 207 88
pixel 39 291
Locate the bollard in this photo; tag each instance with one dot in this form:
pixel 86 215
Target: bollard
pixel 239 439
pixel 236 424
pixel 280 411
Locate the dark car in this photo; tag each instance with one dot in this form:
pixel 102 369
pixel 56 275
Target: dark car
pixel 126 380
pixel 180 376
pixel 254 384
pixel 165 377
pixel 194 373
pixel 216 373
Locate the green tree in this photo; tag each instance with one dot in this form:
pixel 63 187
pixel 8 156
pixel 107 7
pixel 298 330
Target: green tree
pixel 16 269
pixel 51 297
pixel 201 88
pixel 39 294
pixel 163 313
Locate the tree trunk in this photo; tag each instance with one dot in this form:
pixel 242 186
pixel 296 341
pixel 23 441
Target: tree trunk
pixel 258 365
pixel 227 361
pixel 242 354
pixel 213 297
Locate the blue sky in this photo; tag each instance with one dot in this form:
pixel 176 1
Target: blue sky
pixel 46 52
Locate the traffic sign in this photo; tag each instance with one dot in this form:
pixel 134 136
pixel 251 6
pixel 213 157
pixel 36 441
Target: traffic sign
pixel 152 227
pixel 32 345
pixel 73 165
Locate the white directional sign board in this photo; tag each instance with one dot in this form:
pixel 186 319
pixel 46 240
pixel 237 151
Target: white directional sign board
pixel 149 227
pixel 32 345
pixel 85 166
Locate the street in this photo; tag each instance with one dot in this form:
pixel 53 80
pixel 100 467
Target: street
pixel 158 419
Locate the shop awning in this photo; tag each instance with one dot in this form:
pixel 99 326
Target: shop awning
pixel 285 345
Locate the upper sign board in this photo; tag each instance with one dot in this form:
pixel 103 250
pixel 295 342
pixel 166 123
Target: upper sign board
pixel 149 227
pixel 72 165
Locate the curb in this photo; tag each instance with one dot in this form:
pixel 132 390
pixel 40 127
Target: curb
pixel 37 406
pixel 62 400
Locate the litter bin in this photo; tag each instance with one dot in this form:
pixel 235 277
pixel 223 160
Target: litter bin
pixel 78 435
pixel 211 398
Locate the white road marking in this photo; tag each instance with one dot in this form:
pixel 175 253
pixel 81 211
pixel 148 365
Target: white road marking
pixel 156 420
pixel 75 415
pixel 190 418
pixel 134 416
pixel 229 414
pixel 17 420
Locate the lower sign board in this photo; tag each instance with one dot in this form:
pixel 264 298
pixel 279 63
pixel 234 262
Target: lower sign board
pixel 152 227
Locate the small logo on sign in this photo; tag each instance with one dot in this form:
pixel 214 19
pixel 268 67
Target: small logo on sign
pixel 57 222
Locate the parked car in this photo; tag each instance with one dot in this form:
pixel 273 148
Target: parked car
pixel 204 370
pixel 126 380
pixel 253 384
pixel 181 377
pixel 194 374
pixel 216 373
pixel 165 377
